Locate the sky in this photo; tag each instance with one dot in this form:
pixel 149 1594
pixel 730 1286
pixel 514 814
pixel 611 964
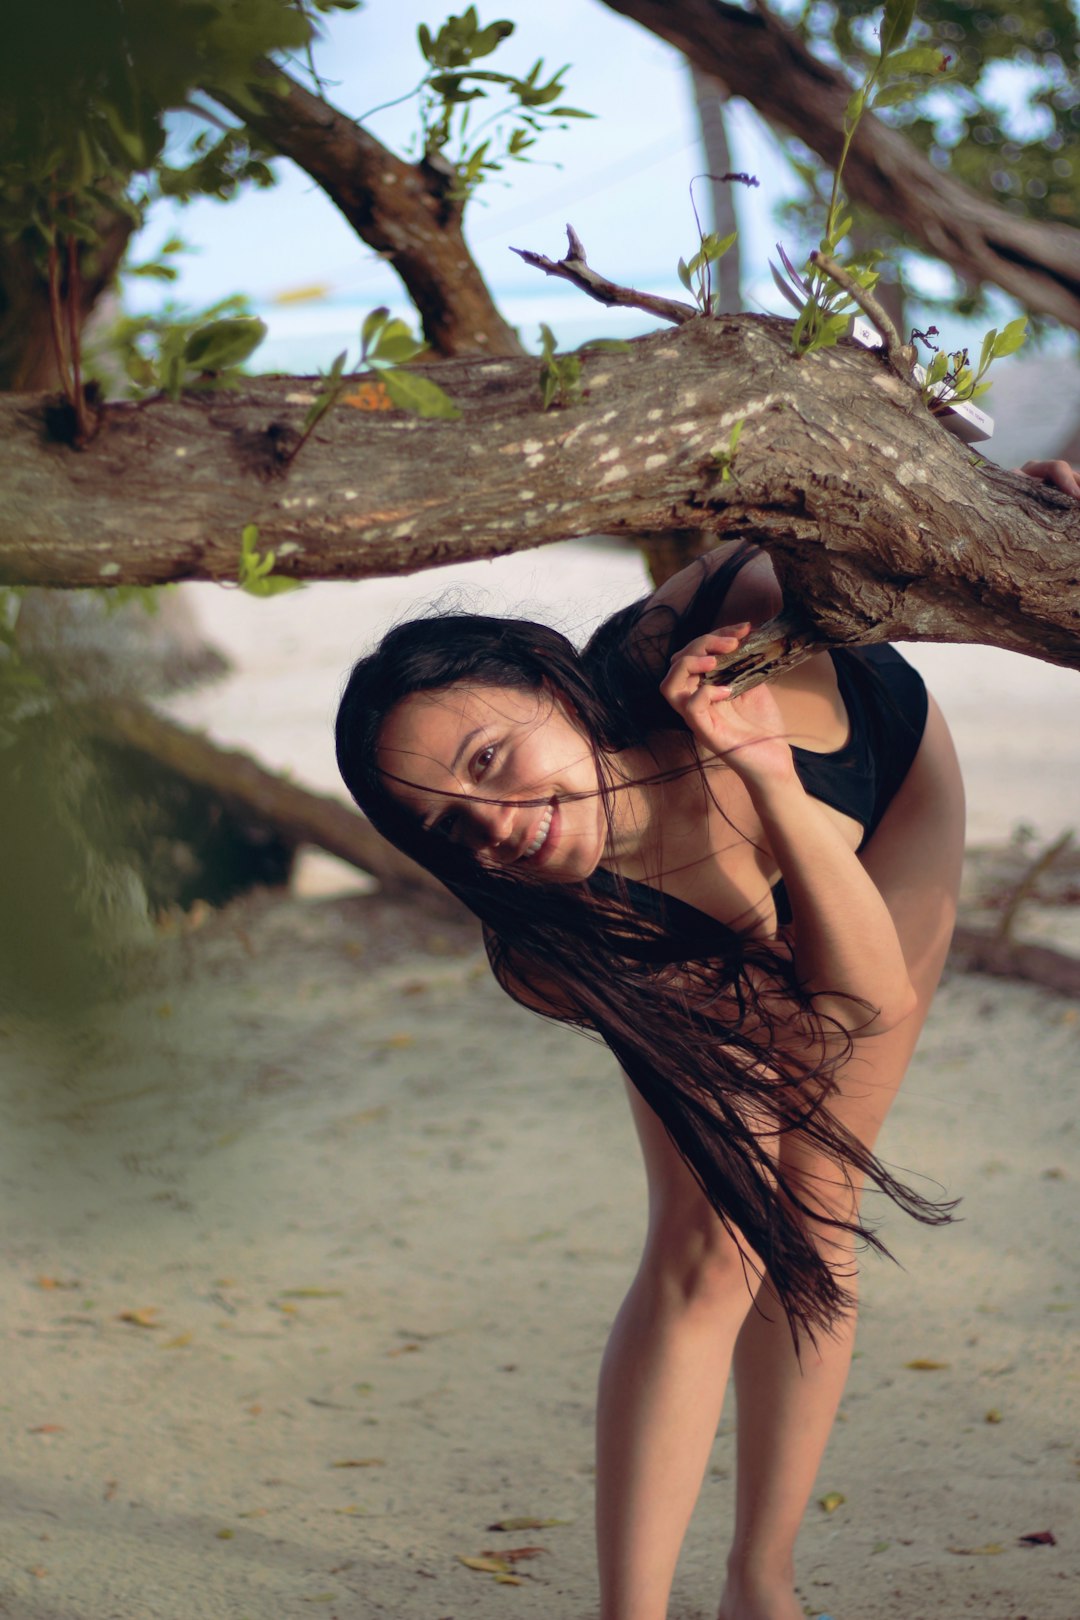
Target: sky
pixel 622 178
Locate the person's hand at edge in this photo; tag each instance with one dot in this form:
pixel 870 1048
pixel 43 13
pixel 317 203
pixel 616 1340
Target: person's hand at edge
pixel 1058 473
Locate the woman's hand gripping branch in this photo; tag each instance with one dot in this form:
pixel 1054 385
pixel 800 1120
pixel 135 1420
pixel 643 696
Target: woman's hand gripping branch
pixel 844 943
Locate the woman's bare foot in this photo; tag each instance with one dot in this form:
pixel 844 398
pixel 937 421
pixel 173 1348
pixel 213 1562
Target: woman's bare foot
pixel 759 1597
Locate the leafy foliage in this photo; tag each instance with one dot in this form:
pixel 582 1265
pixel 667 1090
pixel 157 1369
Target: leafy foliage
pixel 386 345
pixel 696 276
pixel 1029 161
pixel 256 571
pixel 451 88
pixel 177 348
pixel 825 308
pixel 560 374
pixel 949 378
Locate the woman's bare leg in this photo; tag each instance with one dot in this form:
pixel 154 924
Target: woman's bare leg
pixel 786 1408
pixel 662 1383
pixel 666 1367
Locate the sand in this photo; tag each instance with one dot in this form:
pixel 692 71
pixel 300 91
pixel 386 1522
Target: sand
pixel 312 1240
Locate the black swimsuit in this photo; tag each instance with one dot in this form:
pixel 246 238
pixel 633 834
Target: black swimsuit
pixel 886 705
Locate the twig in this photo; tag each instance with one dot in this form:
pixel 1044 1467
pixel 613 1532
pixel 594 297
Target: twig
pixel 575 268
pixel 1025 886
pixel 976 951
pixel 900 355
pixel 778 645
pixel 56 318
pixel 84 428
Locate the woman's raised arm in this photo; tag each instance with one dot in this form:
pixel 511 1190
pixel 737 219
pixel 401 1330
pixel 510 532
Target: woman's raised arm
pixel 845 946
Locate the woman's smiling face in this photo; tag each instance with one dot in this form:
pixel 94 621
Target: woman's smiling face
pixel 503 772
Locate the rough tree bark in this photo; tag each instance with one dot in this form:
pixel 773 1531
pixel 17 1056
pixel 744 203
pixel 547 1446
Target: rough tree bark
pixel 402 210
pixel 881 525
pixel 759 58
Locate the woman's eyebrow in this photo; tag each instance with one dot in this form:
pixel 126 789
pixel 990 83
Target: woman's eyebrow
pixel 465 743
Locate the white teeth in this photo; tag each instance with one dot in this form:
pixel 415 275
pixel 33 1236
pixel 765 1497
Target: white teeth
pixel 541 835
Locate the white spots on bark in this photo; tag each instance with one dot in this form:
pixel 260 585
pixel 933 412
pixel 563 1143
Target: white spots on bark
pixel 310 501
pixel 181 450
pixel 534 461
pixel 608 416
pixel 688 400
pixel 575 433
pixel 609 455
pixel 401 532
pixel 614 475
pixel 689 428
pixel 600 438
pixel 289 548
pixel 497 368
pixel 654 416
pixel 108 570
pixel 299 399
pixel 652 462
pixel 912 472
pixel 600 379
pixel 349 494
pixel 526 494
pixel 645 438
pixel 389 178
pixel 665 354
pixel 287 502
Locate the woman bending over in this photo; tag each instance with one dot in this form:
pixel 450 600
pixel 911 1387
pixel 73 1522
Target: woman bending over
pixel 750 899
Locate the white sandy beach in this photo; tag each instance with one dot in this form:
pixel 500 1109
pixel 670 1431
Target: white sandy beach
pixel 312 1244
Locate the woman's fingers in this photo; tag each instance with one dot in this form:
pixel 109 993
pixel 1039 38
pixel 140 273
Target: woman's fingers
pixel 1058 473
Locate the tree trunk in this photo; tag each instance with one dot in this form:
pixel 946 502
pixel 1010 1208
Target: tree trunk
pixel 301 816
pixel 881 525
pixel 402 210
pixel 758 57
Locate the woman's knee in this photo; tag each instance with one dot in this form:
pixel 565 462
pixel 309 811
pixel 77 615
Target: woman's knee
pixel 692 1261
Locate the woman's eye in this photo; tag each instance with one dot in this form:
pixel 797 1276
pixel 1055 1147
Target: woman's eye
pixel 446 824
pixel 483 759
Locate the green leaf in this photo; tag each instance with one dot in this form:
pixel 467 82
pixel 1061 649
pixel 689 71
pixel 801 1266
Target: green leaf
pixel 916 59
pixel 223 343
pixel 153 272
pixel 894 95
pixel 549 386
pixel 1013 337
pixel 373 325
pixel 684 275
pixel 854 109
pixel 896 24
pixel 395 345
pixel 548 344
pixel 425 41
pixel 714 247
pixel 418 395
pixel 937 368
pixel 491 37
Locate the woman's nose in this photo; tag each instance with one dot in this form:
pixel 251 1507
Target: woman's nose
pixel 492 823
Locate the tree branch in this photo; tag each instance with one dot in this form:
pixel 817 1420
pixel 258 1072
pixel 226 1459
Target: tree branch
pixel 760 59
pixel 402 210
pixel 576 269
pixel 901 355
pixel 881 525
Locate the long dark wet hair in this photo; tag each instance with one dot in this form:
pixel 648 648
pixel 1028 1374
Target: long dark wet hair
pixel 712 1027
